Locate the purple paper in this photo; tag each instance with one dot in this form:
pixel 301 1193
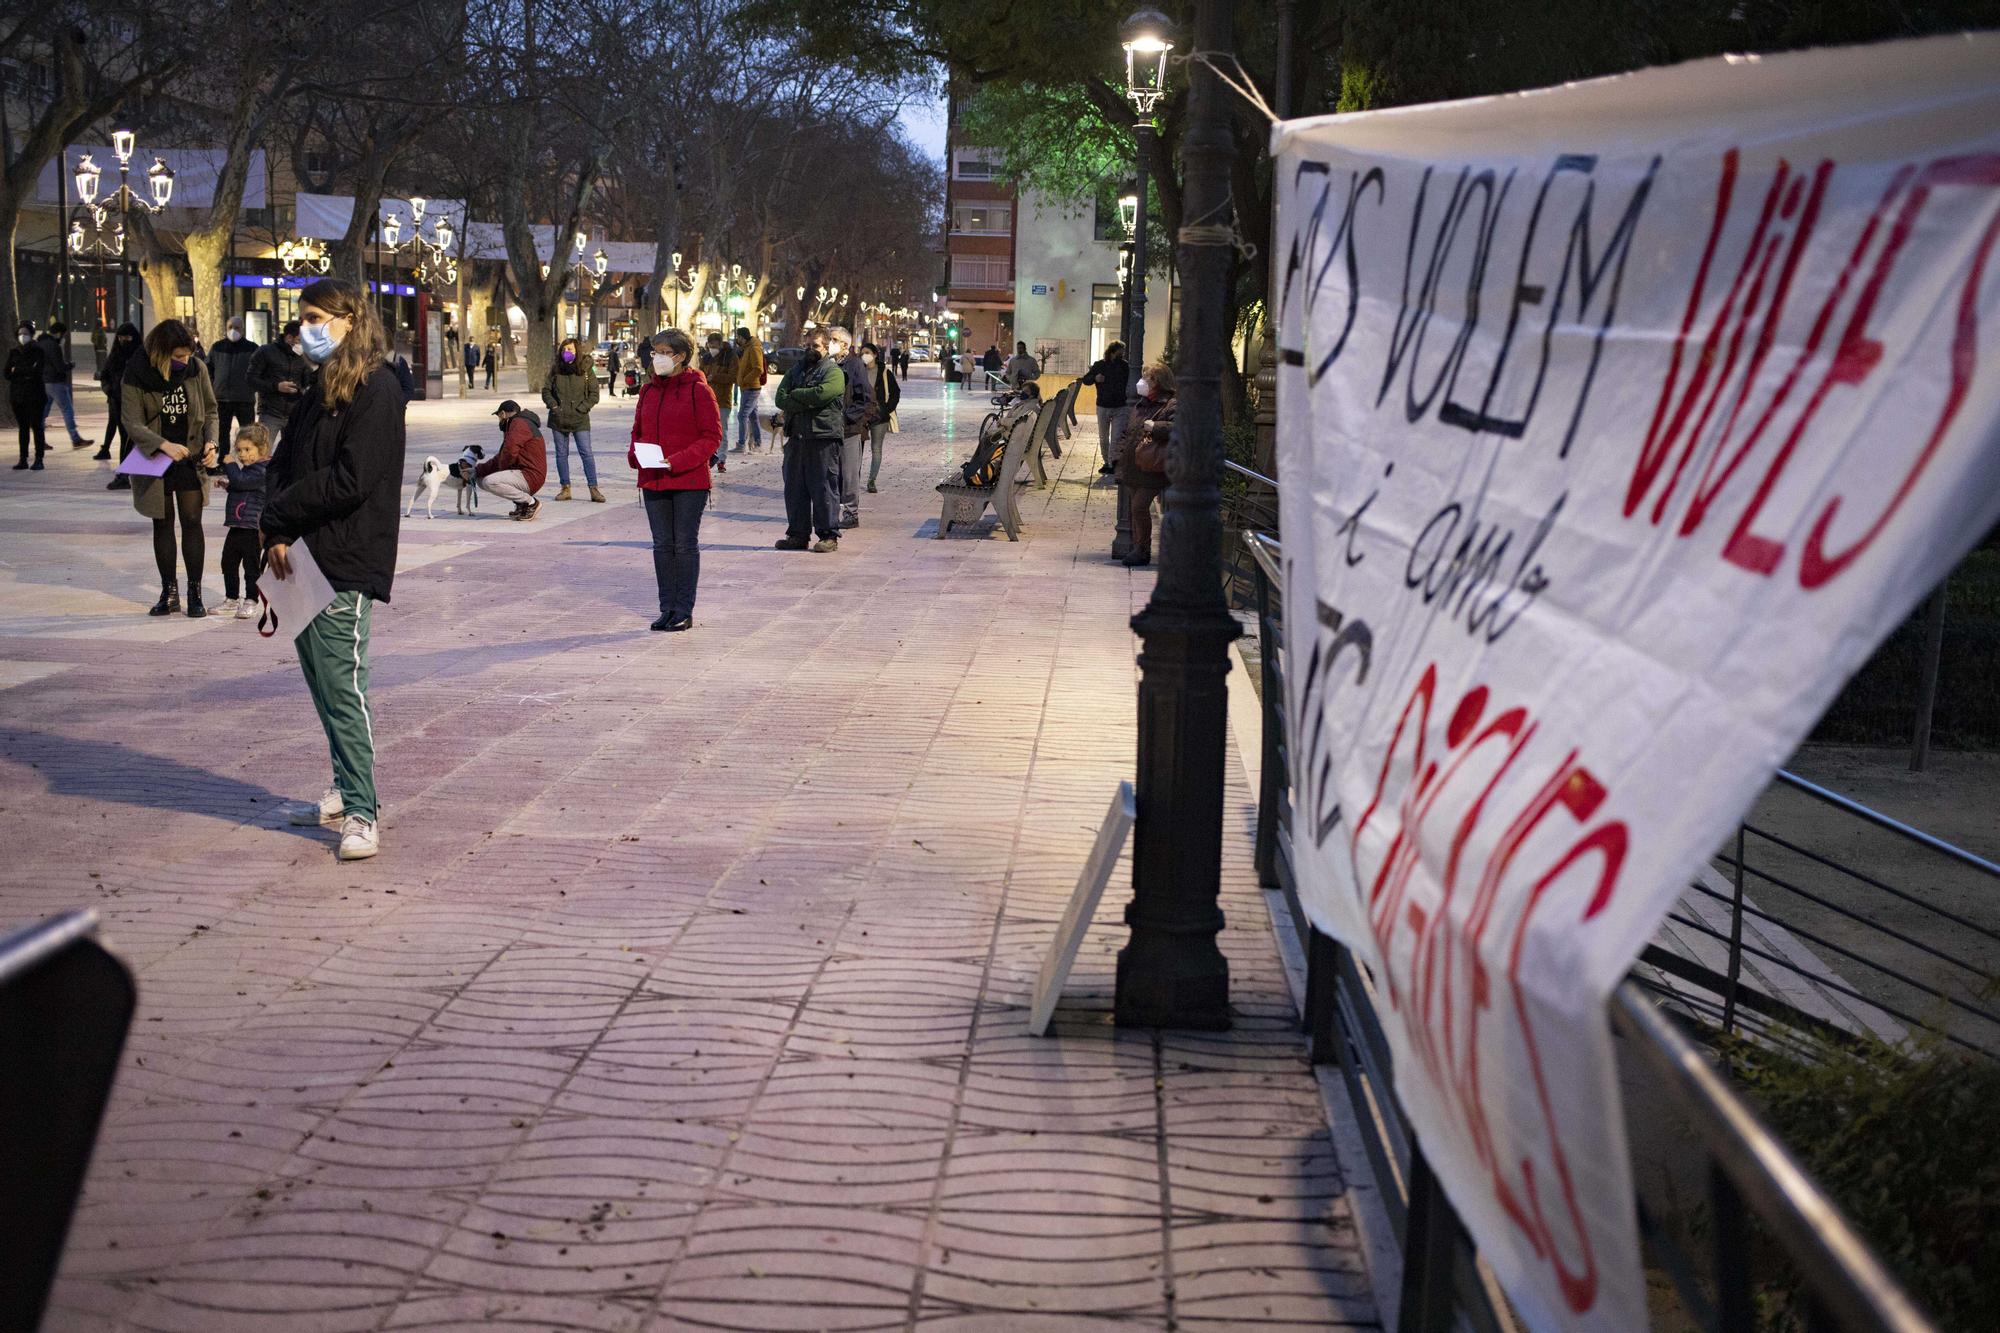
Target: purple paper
pixel 136 464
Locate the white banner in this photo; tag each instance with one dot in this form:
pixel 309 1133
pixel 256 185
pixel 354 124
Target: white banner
pixel 1620 422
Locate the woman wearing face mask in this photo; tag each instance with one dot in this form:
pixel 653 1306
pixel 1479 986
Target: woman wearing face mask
pixel 677 411
pixel 169 408
pixel 887 394
pixel 1143 456
pixel 124 345
pixel 569 394
pixel 26 395
pixel 334 484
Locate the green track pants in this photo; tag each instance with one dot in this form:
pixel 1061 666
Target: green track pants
pixel 333 652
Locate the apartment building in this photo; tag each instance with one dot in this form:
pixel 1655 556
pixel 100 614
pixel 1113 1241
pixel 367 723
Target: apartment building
pixel 979 243
pixel 1068 300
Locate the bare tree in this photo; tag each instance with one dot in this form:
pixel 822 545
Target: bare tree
pixel 99 57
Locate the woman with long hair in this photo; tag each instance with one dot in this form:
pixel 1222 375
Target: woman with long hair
pixel 677 412
pixel 569 394
pixel 333 488
pixel 124 346
pixel 168 407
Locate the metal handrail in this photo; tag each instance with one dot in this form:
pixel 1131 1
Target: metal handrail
pixel 1881 820
pixel 1833 1258
pixel 1253 475
pixel 1845 1284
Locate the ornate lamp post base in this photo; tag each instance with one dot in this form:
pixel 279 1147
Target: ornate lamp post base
pixel 1171 973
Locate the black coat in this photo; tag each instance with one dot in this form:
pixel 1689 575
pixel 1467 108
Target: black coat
pixel 56 364
pixel 24 376
pixel 336 481
pixel 272 364
pixel 888 393
pixel 859 411
pixel 1112 376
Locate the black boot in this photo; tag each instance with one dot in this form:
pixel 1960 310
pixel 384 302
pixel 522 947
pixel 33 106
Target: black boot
pixel 121 482
pixel 195 609
pixel 170 600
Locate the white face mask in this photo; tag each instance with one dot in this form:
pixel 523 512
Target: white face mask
pixel 868 358
pixel 664 364
pixel 1144 386
pixel 236 335
pixel 26 338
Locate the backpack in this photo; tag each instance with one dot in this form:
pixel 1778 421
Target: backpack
pixel 983 468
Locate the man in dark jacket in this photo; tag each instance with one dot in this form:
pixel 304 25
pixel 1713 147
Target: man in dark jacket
pixel 991 361
pixel 56 367
pixel 1111 375
pixel 471 361
pixel 279 374
pixel 521 466
pixel 229 367
pixel 858 413
pixel 810 402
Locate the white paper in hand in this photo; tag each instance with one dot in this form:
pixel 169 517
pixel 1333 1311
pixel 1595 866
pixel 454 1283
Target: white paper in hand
pixel 650 455
pixel 289 604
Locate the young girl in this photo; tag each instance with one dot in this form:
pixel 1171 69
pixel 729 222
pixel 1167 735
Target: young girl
pixel 243 549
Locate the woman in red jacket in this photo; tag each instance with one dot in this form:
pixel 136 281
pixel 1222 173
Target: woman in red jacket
pixel 677 412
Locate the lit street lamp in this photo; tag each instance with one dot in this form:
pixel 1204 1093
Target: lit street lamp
pixel 304 255
pixel 589 274
pixel 1170 973
pixel 1147 36
pixel 101 240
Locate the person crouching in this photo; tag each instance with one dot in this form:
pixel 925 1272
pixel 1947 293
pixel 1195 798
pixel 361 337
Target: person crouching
pixel 518 470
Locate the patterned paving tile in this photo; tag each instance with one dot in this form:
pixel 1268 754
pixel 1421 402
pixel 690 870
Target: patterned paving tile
pixel 690 991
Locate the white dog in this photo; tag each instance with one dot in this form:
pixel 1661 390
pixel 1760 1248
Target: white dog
pixel 436 475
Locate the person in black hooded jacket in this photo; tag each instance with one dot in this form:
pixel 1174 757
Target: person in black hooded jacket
pixel 124 344
pixel 334 485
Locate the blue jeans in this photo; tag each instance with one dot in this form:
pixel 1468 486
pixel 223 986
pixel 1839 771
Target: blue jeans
pixel 582 440
pixel 746 418
pixel 59 394
pixel 675 517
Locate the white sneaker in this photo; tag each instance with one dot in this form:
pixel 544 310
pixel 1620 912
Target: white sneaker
pixel 325 811
pixel 358 839
pixel 246 609
pixel 227 610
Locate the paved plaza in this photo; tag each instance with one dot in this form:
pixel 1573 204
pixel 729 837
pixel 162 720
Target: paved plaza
pixel 690 989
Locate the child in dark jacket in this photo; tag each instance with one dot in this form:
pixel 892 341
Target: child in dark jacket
pixel 242 549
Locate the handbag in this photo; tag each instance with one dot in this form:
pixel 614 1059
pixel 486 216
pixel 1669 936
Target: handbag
pixel 1150 453
pixel 895 426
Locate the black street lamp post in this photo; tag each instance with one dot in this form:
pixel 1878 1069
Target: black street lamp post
pixel 1171 973
pixel 1147 36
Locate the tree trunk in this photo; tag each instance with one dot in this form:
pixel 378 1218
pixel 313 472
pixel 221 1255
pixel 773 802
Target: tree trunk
pixel 206 251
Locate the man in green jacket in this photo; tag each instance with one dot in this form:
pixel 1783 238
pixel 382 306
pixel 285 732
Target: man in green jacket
pixel 809 403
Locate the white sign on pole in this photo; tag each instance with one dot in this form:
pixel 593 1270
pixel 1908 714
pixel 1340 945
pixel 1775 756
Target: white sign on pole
pixel 1621 421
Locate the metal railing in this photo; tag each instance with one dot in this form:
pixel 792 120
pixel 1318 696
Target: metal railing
pixel 1751 1179
pixel 1883 957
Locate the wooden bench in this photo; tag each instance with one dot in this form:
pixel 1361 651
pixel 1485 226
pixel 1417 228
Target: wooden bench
pixel 1068 418
pixel 965 504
